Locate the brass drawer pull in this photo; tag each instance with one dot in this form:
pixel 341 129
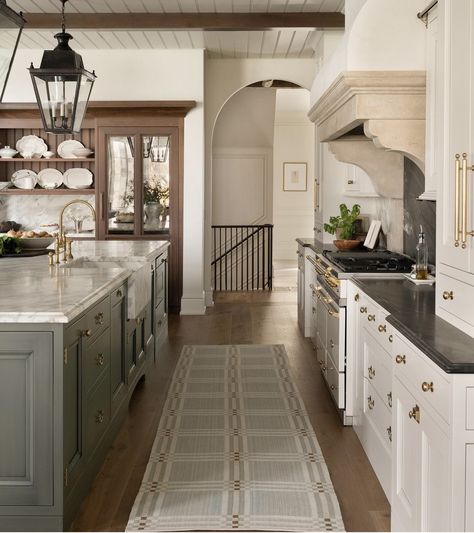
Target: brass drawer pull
pixel 119 294
pixel 415 414
pixel 390 338
pixel 87 333
pixel 357 297
pixel 427 387
pixel 371 372
pixel 99 417
pixel 363 309
pixel 371 318
pixel 100 359
pixel 448 295
pixel 99 319
pixel 382 328
pixel 370 402
pixel 389 399
pixel 401 359
pixel 389 432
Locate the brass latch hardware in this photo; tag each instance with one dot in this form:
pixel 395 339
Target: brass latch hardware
pixel 371 372
pixel 415 414
pixel 370 402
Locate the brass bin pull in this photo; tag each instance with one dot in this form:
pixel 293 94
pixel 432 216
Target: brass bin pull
pixel 371 372
pixel 363 309
pixel 371 318
pixel 427 387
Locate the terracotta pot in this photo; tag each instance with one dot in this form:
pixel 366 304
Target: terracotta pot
pixel 342 244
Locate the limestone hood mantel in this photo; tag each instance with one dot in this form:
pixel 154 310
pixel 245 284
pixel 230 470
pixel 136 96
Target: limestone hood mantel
pixel 386 109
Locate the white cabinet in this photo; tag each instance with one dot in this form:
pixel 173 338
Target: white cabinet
pixel 434 107
pixel 357 183
pixel 301 287
pixel 455 247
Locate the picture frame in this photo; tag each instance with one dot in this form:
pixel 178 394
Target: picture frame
pixel 295 177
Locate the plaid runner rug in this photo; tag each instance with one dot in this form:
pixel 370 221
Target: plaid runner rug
pixel 235 450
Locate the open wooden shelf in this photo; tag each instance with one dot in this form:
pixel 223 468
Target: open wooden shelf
pixel 45 192
pixel 45 161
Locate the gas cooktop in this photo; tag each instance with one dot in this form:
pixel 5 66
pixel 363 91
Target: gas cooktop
pixel 378 261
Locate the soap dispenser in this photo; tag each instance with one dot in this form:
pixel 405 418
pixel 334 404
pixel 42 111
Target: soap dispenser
pixel 421 267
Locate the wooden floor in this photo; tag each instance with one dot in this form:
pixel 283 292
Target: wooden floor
pixel 237 318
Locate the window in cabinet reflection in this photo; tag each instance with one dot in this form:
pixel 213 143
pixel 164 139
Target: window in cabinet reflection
pixel 121 193
pixel 156 184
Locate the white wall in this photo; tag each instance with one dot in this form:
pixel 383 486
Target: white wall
pixel 223 78
pixel 293 142
pixel 150 75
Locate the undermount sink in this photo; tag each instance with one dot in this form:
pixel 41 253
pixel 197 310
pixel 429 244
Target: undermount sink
pixel 139 283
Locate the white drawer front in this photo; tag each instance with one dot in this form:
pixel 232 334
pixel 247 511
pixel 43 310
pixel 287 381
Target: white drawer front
pixel 455 297
pixel 378 367
pixel 378 414
pixel 431 387
pixel 336 382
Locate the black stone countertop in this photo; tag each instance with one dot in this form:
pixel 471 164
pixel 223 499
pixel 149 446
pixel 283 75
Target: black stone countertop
pixel 412 313
pixel 315 245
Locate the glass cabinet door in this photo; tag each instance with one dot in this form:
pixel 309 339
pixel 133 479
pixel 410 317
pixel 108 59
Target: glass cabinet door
pixel 156 184
pixel 120 185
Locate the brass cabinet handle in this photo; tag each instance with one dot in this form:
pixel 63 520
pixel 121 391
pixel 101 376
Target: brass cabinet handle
pixel 457 179
pixel 464 201
pixel 415 414
pixel 119 294
pixel 390 338
pixel 371 371
pixel 87 333
pixel 371 318
pixel 99 417
pixel 357 297
pixel 99 319
pixel 427 387
pixel 389 432
pixel 100 359
pixel 363 309
pixel 401 359
pixel 389 399
pixel 448 295
pixel 382 328
pixel 370 402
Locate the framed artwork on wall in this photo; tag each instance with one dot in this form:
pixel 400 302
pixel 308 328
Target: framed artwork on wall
pixel 295 177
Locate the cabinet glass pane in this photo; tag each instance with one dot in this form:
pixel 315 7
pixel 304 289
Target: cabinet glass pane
pixel 156 184
pixel 120 165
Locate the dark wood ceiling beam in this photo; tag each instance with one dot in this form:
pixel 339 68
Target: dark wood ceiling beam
pixel 187 21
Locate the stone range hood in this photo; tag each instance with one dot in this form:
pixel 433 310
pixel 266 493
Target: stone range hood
pixel 386 109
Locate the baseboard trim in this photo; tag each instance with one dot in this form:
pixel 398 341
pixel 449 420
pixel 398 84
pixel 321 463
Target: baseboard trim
pixel 193 306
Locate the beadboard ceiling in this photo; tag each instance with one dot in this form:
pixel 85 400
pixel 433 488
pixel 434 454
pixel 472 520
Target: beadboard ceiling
pixel 277 43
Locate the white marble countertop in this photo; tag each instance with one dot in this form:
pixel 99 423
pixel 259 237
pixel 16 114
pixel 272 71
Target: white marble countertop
pixel 33 292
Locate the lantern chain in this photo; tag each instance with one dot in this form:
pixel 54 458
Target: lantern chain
pixel 63 16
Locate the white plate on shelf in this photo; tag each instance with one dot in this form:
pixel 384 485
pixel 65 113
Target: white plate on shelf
pixel 24 179
pixel 66 148
pixel 78 178
pixel 31 144
pixel 50 178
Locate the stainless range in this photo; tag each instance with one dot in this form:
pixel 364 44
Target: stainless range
pixel 329 297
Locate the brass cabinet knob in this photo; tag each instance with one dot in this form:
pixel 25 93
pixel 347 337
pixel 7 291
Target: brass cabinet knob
pixel 99 319
pixel 389 399
pixel 414 414
pixel 119 294
pixel 87 333
pixel 401 359
pixel 100 359
pixel 370 402
pixel 363 309
pixel 99 417
pixel 371 318
pixel 448 295
pixel 390 338
pixel 371 372
pixel 357 297
pixel 382 328
pixel 427 387
pixel 389 432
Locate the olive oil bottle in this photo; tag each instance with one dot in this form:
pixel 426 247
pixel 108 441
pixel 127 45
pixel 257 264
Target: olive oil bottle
pixel 421 268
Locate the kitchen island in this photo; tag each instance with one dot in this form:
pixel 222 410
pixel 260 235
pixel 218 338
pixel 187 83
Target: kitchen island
pixel 75 339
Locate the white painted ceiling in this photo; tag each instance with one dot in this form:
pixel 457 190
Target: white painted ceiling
pixel 288 43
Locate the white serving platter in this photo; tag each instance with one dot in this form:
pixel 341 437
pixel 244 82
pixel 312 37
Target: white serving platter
pixel 50 178
pixel 66 148
pixel 78 178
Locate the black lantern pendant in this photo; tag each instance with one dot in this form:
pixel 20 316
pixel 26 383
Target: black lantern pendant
pixel 11 26
pixel 62 86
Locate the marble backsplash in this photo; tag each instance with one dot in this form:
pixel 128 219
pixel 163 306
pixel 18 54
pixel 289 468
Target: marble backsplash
pixel 33 211
pixel 416 212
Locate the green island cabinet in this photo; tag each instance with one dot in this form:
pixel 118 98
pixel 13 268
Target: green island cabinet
pixel 64 392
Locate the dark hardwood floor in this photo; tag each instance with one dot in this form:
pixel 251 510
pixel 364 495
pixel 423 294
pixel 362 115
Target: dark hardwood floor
pixel 237 318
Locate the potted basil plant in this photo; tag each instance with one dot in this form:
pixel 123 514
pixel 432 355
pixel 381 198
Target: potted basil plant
pixel 343 227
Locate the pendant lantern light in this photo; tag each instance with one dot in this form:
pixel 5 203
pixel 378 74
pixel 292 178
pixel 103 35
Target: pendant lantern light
pixel 11 26
pixel 62 85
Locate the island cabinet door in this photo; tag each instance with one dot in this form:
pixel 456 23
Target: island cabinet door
pixel 118 375
pixel 135 346
pixel 73 405
pixel 26 419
